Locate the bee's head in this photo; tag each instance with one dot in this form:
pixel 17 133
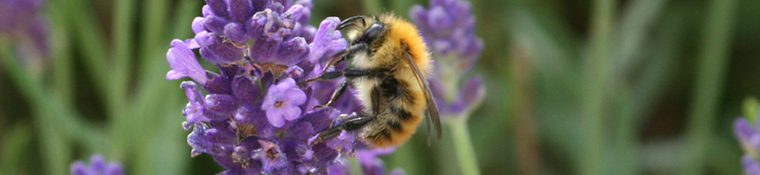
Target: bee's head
pixel 363 29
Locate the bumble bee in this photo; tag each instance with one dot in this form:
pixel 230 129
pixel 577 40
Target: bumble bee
pixel 390 62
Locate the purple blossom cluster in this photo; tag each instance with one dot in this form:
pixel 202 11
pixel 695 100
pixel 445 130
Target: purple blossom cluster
pixel 255 117
pixel 448 27
pixel 371 165
pixel 97 166
pixel 749 138
pixel 23 22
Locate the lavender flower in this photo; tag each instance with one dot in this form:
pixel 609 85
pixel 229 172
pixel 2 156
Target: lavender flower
pixel 281 102
pixel 750 164
pixel 22 21
pixel 183 62
pixel 255 118
pixel 373 165
pixel 448 27
pixel 270 156
pixel 98 166
pixel 749 137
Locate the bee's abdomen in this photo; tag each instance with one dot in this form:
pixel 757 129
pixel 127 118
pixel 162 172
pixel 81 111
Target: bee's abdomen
pixel 397 116
pixel 392 128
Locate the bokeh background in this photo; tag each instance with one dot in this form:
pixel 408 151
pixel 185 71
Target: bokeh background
pixel 574 87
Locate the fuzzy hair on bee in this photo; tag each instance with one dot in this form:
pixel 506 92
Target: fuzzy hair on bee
pixel 390 63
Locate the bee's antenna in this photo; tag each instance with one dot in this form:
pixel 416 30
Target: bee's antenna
pixel 349 21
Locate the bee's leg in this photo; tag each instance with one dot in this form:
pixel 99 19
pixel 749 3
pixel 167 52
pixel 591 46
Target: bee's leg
pixel 346 54
pixel 336 94
pixel 348 125
pixel 349 73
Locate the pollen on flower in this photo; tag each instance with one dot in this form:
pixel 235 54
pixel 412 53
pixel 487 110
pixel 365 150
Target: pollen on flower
pixel 272 154
pixel 278 104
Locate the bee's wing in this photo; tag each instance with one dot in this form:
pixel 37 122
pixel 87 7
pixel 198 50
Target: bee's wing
pixel 432 109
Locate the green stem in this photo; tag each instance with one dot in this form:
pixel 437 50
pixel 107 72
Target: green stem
pixel 463 146
pixel 123 52
pixel 709 82
pixel 356 167
pixel 597 77
pixel 92 39
pixel 51 140
pixel 61 56
pixel 55 122
pixel 56 152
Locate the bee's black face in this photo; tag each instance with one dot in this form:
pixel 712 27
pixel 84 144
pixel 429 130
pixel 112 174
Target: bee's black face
pixel 372 33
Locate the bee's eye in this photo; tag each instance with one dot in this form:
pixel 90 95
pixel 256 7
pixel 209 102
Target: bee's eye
pixel 374 31
pixel 371 34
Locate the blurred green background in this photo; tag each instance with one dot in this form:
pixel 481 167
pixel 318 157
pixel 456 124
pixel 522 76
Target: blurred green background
pixel 574 87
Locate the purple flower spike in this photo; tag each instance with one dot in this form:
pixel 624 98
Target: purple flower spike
pixel 281 102
pixel 218 84
pixel 398 171
pixel 235 32
pixel 270 156
pixel 245 89
pixel 750 165
pixel 749 139
pixel 240 10
pixel 278 36
pixel 197 25
pixel 114 168
pixel 339 168
pixel 369 161
pixel 215 24
pixel 470 94
pixel 369 156
pixel 197 139
pixel 437 26
pixel 221 104
pixel 194 112
pixel 344 141
pixel 744 130
pixel 79 168
pixel 252 121
pixel 204 39
pixel 23 22
pixel 448 27
pixel 327 40
pixel 98 166
pixel 218 7
pixel 183 63
pixel 292 51
pixel 221 51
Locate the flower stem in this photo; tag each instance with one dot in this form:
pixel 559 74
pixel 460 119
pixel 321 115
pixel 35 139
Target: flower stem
pixel 709 84
pixel 463 146
pixel 356 167
pixel 596 85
